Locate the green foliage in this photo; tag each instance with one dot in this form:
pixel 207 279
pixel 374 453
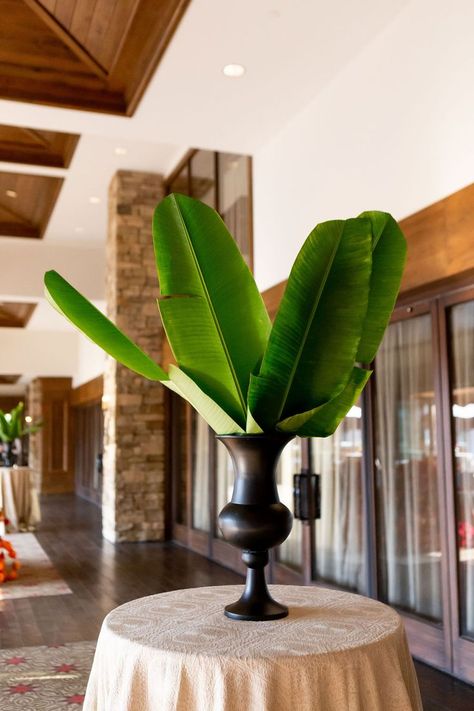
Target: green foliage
pixel 12 425
pixel 212 311
pixel 300 376
pixel 98 328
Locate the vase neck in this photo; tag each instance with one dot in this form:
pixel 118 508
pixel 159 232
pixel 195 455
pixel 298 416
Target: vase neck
pixel 255 458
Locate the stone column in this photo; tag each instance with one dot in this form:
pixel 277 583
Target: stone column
pixel 133 502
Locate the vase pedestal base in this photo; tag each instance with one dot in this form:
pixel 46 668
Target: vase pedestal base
pixel 259 613
pixel 256 604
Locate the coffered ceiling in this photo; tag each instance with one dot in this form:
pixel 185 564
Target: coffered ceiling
pixel 15 314
pixel 20 144
pixel 26 202
pixel 9 379
pixel 87 54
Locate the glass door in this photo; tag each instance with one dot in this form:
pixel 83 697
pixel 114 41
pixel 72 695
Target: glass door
pixel 339 539
pixel 411 553
pixel 457 325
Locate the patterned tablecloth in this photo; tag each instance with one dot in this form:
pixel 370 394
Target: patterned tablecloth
pixel 19 498
pixel 334 652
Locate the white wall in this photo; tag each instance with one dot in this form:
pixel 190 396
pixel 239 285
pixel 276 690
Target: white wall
pixel 37 353
pixel 393 131
pixel 90 361
pixel 24 262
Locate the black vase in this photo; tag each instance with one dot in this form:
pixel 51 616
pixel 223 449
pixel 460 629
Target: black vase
pixel 255 519
pixel 8 457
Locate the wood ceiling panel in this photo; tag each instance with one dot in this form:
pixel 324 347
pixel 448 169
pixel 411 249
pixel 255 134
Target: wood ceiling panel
pixel 9 380
pixel 89 54
pixel 26 214
pixel 36 65
pixel 15 314
pixel 19 144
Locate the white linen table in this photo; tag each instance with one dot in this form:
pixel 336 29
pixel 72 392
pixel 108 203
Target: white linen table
pixel 19 498
pixel 176 651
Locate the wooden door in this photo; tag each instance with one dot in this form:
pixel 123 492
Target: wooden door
pixel 88 449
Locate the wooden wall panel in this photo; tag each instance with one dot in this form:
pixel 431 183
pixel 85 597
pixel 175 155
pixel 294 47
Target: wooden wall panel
pixel 88 393
pixel 440 240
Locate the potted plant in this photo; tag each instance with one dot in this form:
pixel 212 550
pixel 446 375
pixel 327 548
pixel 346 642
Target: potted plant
pixel 259 385
pixel 12 428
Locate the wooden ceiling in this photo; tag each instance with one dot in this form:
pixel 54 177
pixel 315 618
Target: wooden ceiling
pixel 9 379
pixel 26 203
pixel 97 55
pixel 19 144
pixel 15 314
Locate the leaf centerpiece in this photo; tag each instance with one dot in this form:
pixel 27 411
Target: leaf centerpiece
pixel 243 375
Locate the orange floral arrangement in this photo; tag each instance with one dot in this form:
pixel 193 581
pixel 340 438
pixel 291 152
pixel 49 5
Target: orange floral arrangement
pixel 9 565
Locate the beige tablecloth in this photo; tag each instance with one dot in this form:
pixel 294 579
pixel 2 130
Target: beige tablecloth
pixel 19 498
pixel 335 652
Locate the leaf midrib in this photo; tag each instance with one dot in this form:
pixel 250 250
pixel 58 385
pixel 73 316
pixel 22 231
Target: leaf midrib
pixel 211 308
pixel 308 325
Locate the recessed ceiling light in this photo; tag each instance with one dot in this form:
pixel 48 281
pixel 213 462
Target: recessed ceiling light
pixel 234 70
pixel 11 193
pixel 120 151
pixel 94 199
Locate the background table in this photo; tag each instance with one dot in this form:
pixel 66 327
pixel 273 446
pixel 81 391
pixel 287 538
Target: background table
pixel 335 652
pixel 19 498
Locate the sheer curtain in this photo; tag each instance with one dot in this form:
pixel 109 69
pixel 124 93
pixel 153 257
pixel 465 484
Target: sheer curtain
pixel 462 353
pixel 407 499
pixel 339 531
pixel 290 552
pixel 200 470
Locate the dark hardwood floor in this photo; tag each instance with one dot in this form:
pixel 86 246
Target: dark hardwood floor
pixel 102 575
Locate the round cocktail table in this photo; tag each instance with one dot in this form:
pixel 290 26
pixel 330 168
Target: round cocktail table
pixel 334 652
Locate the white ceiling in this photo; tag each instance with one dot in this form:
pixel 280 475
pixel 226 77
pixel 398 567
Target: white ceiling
pixel 291 50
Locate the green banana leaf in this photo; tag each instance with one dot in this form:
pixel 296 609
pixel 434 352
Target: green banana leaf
pixel 252 427
pixel 214 415
pixel 388 260
pixel 212 311
pixel 322 421
pixel 5 433
pixel 16 416
pixel 313 344
pixel 80 312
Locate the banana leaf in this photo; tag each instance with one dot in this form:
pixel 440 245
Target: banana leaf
pixel 5 434
pixel 388 260
pixel 80 312
pixel 313 344
pixel 212 311
pixel 215 416
pixel 322 421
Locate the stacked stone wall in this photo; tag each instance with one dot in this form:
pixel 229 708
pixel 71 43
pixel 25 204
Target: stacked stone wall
pixel 133 500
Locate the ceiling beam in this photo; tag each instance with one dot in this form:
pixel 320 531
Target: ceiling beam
pixel 81 53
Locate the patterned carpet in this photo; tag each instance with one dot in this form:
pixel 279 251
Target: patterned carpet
pixel 37 575
pixel 45 678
